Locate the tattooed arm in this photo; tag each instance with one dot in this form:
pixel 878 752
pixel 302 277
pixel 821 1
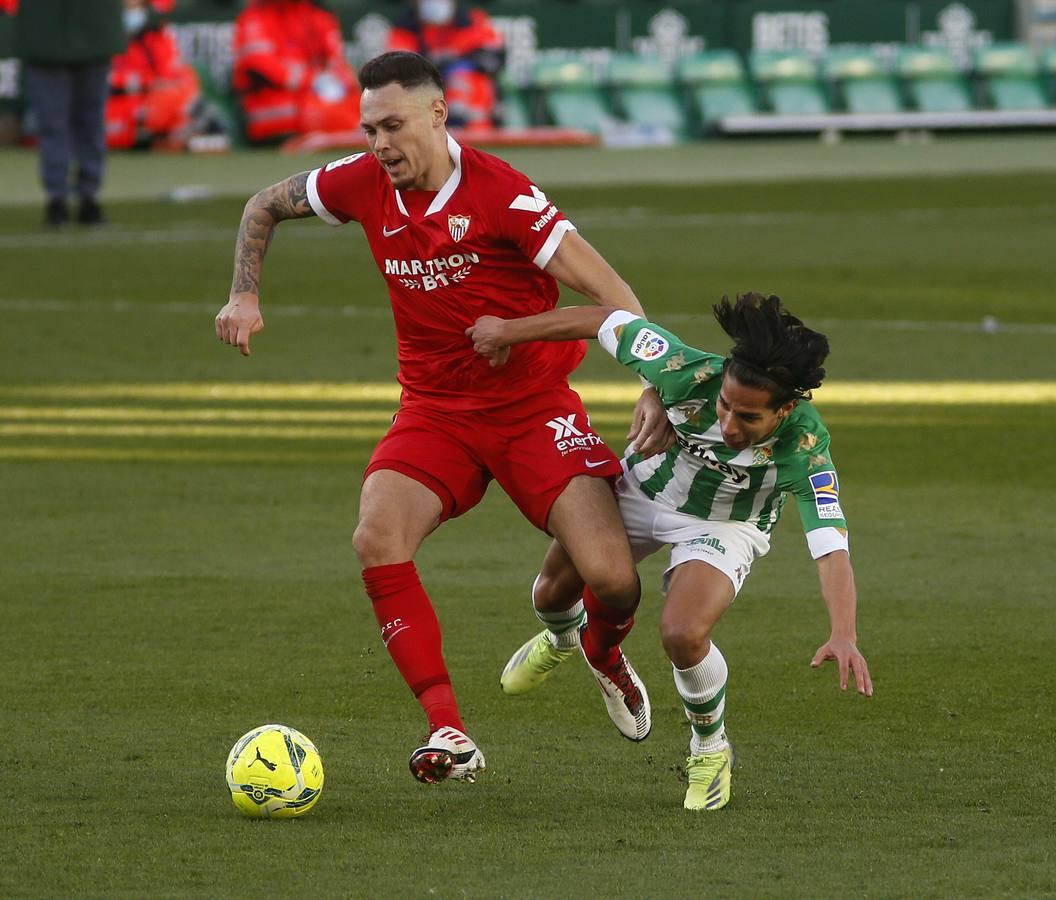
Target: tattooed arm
pixel 241 318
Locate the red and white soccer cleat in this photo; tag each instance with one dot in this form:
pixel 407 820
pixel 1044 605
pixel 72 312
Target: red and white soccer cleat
pixel 626 698
pixel 448 755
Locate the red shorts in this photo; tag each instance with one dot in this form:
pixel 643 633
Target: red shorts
pixel 532 448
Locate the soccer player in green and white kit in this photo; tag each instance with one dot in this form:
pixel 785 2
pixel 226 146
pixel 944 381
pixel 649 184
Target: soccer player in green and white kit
pixel 746 437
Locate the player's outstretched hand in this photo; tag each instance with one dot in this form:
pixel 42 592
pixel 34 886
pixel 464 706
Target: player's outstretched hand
pixel 487 337
pixel 848 659
pixel 651 430
pixel 238 320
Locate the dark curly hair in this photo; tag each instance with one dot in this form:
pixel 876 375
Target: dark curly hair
pixel 772 350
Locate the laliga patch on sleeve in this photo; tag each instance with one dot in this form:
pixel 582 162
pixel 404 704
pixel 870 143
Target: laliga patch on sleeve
pixel 649 345
pixel 826 494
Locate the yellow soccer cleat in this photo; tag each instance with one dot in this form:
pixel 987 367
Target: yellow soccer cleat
pixel 532 663
pixel 709 780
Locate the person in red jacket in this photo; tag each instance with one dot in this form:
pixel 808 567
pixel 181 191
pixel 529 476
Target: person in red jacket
pixel 152 90
pixel 464 45
pixel 290 72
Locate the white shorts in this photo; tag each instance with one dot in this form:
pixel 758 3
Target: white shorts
pixel 730 547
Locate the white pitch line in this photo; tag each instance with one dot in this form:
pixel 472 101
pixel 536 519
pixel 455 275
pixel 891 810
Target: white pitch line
pixel 833 394
pixel 607 218
pixel 348 311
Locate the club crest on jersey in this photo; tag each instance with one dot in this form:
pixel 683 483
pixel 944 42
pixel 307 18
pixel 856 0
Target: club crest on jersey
pixel 458 226
pixel 762 455
pixel 649 345
pixel 826 494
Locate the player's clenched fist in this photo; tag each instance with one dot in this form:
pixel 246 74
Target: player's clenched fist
pixel 239 319
pixel 487 334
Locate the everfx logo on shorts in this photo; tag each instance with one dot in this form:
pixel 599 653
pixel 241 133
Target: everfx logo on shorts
pixel 568 438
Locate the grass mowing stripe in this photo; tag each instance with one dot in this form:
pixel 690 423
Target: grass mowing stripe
pixel 883 393
pixel 33 429
pixel 614 219
pixel 347 311
pixel 65 453
pixel 213 414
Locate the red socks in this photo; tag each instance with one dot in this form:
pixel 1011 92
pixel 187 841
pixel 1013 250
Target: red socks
pixel 411 634
pixel 606 627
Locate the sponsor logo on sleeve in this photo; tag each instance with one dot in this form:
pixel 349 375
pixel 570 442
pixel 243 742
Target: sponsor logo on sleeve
pixel 826 494
pixel 533 204
pixel 344 161
pixel 649 345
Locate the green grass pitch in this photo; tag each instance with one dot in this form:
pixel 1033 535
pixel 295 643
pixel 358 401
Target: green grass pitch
pixel 175 527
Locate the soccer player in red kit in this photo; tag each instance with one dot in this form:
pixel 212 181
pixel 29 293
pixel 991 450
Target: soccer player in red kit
pixel 457 234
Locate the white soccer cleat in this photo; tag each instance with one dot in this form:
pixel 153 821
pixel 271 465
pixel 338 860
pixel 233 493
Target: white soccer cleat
pixel 626 698
pixel 448 755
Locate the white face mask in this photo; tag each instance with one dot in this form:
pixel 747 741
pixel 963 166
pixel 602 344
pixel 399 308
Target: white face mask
pixel 135 19
pixel 436 12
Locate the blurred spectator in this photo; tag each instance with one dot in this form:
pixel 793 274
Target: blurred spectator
pixel 290 71
pixel 66 46
pixel 152 90
pixel 464 45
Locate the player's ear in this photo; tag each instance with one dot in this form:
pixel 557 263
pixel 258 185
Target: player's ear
pixel 439 112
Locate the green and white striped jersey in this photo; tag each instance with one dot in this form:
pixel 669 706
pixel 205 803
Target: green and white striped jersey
pixel 700 475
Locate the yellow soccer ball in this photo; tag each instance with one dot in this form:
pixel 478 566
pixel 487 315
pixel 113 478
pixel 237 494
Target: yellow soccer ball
pixel 274 772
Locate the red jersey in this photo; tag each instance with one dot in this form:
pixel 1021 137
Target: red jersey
pixel 479 248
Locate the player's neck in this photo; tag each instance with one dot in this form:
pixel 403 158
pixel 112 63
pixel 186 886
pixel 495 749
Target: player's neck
pixel 440 168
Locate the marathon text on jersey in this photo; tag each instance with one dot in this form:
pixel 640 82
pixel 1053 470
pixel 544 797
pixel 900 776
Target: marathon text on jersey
pixel 432 273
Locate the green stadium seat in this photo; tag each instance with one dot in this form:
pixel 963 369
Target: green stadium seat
pixel 717 86
pixel 223 103
pixel 516 107
pixel 1010 76
pixel 1047 64
pixel 865 86
pixel 932 80
pixel 644 92
pixel 570 94
pixel 790 81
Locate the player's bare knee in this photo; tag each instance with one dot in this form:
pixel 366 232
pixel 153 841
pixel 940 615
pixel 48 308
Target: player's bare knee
pixel 616 587
pixel 684 643
pixel 375 545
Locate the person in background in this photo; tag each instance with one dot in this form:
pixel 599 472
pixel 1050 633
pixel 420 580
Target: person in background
pixel 65 47
pixel 464 45
pixel 153 92
pixel 290 71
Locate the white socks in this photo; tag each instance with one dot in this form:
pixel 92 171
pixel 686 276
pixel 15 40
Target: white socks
pixel 703 691
pixel 563 627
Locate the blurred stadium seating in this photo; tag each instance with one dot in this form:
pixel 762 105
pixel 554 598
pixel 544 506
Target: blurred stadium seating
pixel 695 88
